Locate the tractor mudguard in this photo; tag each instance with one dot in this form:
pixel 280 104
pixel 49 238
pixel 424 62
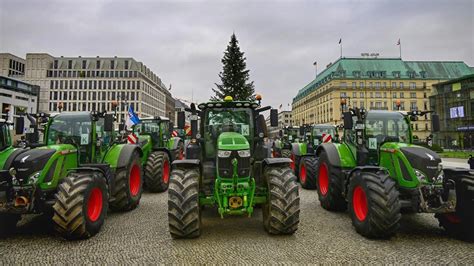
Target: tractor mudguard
pixel 12 156
pixel 367 168
pixel 331 151
pixel 126 153
pixel 166 151
pixel 186 163
pixel 276 161
pixel 104 169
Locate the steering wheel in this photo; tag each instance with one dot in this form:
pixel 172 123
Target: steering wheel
pixel 70 140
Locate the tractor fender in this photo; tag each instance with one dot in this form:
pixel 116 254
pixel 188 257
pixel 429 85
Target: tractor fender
pixel 186 163
pixel 174 143
pixel 276 161
pixel 331 151
pixel 126 153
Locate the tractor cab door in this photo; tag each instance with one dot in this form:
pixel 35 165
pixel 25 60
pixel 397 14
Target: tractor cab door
pixel 164 133
pixel 102 140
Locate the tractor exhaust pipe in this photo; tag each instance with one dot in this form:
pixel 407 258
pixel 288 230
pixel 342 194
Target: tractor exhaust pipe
pixel 21 201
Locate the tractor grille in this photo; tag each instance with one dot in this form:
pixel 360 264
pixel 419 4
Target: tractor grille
pixel 226 168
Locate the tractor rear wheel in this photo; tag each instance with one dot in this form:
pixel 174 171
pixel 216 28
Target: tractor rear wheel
pixel 308 172
pixel 81 205
pixel 8 223
pixel 374 205
pixel 281 212
pixel 157 171
pixel 330 184
pixel 128 186
pixel 184 214
pixel 460 223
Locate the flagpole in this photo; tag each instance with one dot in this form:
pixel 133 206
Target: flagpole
pixel 341 49
pixel 400 48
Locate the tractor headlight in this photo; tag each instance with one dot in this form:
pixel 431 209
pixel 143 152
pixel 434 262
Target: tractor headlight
pixel 419 175
pixel 224 154
pixel 244 153
pixel 34 178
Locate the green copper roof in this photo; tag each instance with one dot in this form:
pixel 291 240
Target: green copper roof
pixel 386 68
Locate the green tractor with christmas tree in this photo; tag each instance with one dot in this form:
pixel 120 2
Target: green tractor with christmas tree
pixel 228 165
pixel 74 176
pixel 159 150
pixel 377 173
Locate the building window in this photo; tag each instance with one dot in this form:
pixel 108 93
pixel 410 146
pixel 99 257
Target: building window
pixel 112 64
pixel 412 85
pixel 69 64
pixel 97 64
pixel 354 95
pixel 361 95
pixel 394 85
pixel 55 64
pixel 84 64
pixel 126 64
pixel 343 85
pixel 371 95
pixel 361 84
pixel 394 95
pixel 378 94
pixel 413 95
pixel 413 106
pixel 377 85
pixel 402 95
pixel 354 85
pixel 401 85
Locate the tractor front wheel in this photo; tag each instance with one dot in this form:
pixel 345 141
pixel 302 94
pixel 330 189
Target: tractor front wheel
pixel 128 186
pixel 157 172
pixel 374 205
pixel 81 205
pixel 460 223
pixel 308 172
pixel 281 212
pixel 8 223
pixel 184 214
pixel 330 184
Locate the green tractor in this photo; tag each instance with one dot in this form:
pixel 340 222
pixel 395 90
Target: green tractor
pixel 282 147
pixel 378 173
pixel 6 146
pixel 74 176
pixel 159 150
pixel 304 153
pixel 229 166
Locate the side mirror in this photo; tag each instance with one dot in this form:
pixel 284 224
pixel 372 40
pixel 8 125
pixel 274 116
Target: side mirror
pixel 171 128
pixel 261 126
pixel 435 123
pixel 348 123
pixel 19 125
pixel 181 120
pixel 273 117
pixel 302 131
pixel 109 123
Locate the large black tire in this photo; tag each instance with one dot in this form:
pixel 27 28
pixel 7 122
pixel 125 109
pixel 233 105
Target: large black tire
pixel 81 205
pixel 307 172
pixel 8 223
pixel 461 223
pixel 184 214
pixel 281 212
pixel 374 205
pixel 330 185
pixel 157 172
pixel 128 186
pixel 285 153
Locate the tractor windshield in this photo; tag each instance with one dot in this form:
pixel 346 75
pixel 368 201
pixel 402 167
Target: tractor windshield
pixel 218 120
pixel 70 128
pixel 5 140
pixel 318 131
pixel 383 127
pixel 292 133
pixel 153 127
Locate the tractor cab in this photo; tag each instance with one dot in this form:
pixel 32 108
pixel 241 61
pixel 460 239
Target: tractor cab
pixel 291 134
pixel 5 137
pixel 157 128
pixel 82 130
pixel 320 134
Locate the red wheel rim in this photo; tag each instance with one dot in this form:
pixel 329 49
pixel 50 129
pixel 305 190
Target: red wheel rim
pixel 359 203
pixel 292 164
pixel 166 172
pixel 135 180
pixel 94 204
pixel 303 173
pixel 452 218
pixel 323 179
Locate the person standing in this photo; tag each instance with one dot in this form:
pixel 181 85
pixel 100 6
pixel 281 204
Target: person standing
pixel 471 162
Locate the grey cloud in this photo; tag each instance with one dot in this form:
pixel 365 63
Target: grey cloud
pixel 183 41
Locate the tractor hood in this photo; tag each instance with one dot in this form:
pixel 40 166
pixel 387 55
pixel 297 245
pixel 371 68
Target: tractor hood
pixel 232 141
pixel 422 159
pixel 31 161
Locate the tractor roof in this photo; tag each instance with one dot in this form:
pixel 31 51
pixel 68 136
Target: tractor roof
pixel 162 118
pixel 229 104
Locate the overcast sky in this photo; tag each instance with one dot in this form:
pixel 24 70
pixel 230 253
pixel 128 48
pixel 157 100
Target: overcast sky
pixel 183 41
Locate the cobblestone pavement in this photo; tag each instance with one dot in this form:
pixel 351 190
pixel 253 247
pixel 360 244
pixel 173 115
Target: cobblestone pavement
pixel 142 236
